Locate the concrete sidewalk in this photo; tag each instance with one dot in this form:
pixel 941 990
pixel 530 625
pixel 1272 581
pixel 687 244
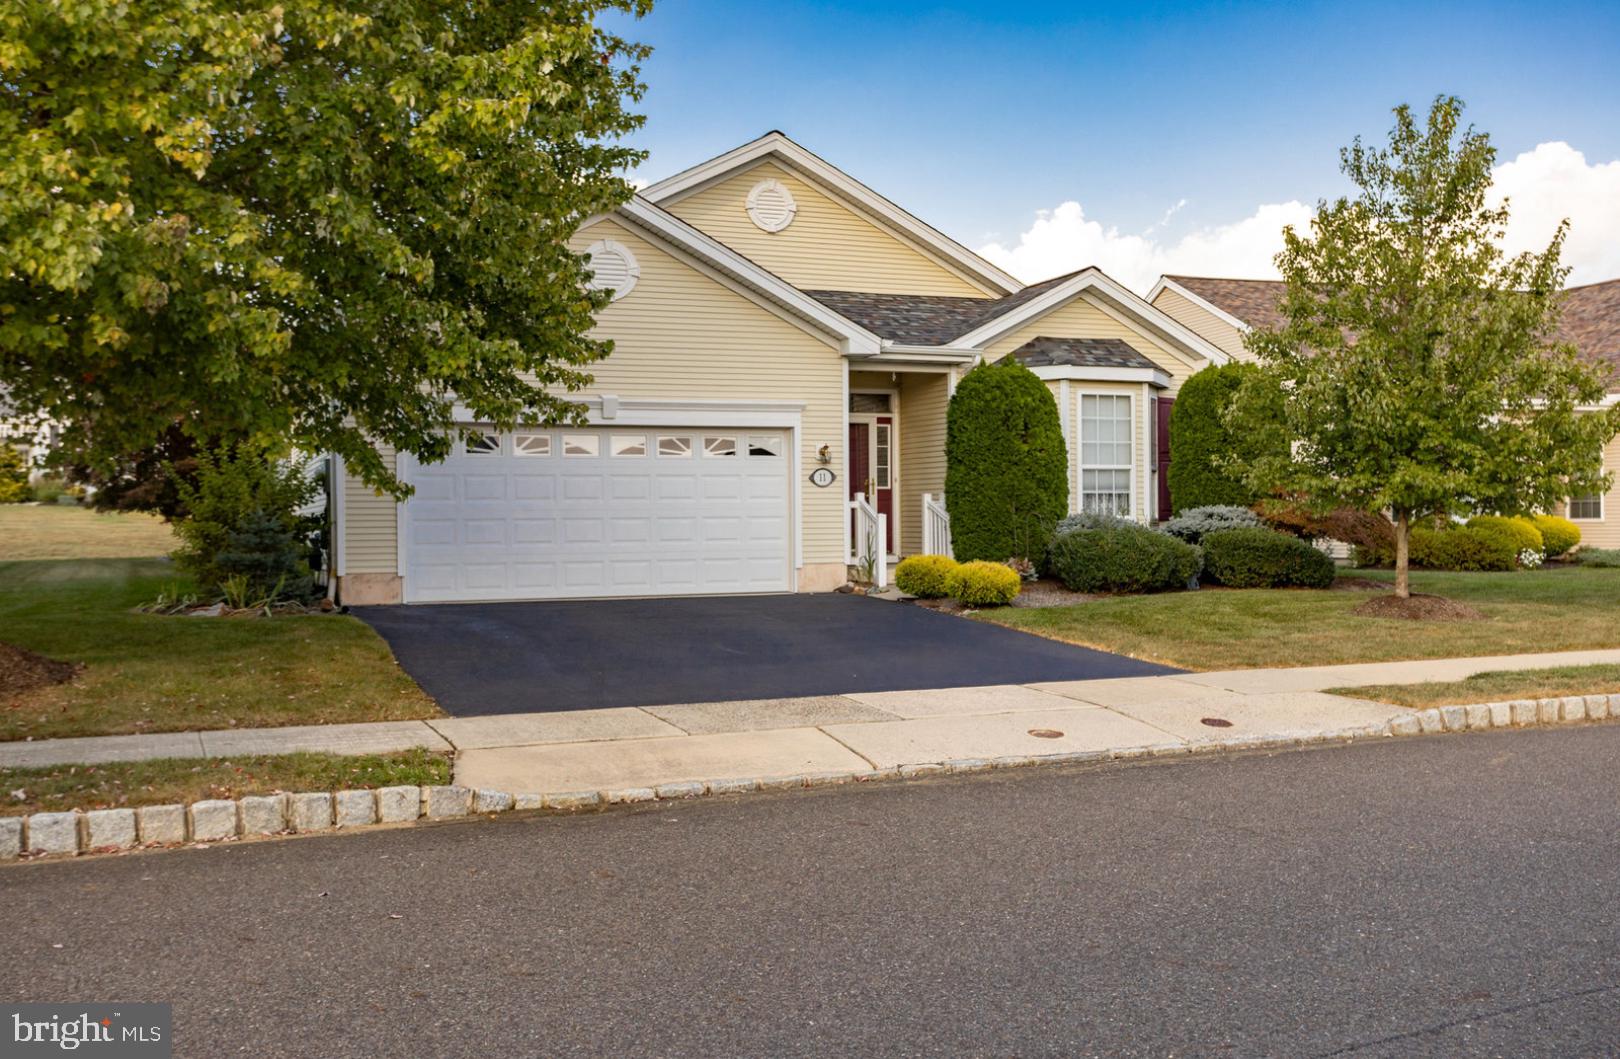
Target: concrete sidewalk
pixel 649 746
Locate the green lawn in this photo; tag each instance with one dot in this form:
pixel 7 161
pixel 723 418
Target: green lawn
pixel 61 531
pixel 1503 686
pixel 1555 609
pixel 150 673
pixel 179 780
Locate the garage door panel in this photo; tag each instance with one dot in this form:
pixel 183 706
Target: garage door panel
pixel 600 513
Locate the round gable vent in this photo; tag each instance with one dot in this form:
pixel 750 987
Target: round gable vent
pixel 613 267
pixel 771 206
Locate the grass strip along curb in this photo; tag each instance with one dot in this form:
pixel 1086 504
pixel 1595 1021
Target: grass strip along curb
pixel 214 820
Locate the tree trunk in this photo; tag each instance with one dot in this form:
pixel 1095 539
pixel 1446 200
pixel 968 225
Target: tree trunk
pixel 1403 536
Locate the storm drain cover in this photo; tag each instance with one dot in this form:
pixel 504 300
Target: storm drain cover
pixel 1046 733
pixel 1216 722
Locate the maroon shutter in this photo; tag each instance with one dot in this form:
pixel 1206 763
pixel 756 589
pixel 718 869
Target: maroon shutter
pixel 1164 406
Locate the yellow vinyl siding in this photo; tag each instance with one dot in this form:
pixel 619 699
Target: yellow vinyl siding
pixel 370 543
pixel 828 246
pixel 1203 323
pixel 1081 318
pixel 1604 532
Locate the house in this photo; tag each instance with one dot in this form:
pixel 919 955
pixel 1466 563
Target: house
pixel 786 341
pixel 1221 310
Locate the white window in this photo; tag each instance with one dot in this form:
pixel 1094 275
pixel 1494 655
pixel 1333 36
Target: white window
pixel 719 446
pixel 880 456
pixel 1107 444
pixel 766 446
pixel 531 444
pixel 1586 508
pixel 581 444
pixel 629 445
pixel 482 444
pixel 673 445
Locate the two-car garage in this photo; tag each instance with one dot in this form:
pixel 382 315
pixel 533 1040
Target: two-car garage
pixel 601 511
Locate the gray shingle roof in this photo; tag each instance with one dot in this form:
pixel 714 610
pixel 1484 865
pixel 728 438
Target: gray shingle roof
pixel 1042 352
pixel 925 319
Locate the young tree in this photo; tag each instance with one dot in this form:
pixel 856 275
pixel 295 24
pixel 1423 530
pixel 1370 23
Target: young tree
pixel 1006 471
pixel 1420 371
pixel 312 221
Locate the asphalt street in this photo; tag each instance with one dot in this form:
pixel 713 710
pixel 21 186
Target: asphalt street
pixel 1445 896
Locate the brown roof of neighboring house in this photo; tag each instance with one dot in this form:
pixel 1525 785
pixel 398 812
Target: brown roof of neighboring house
pixel 1591 320
pixel 1087 352
pixel 925 319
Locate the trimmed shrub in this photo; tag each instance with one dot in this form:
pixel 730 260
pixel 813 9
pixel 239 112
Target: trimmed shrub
pixel 1523 532
pixel 1085 520
pixel 925 576
pixel 1192 524
pixel 1558 534
pixel 1361 529
pixel 1200 440
pixel 1605 558
pixel 1463 548
pixel 1123 558
pixel 1006 468
pixel 983 584
pixel 1253 557
pixel 13 475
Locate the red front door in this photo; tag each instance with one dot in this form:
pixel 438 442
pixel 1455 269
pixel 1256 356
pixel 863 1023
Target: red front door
pixel 871 467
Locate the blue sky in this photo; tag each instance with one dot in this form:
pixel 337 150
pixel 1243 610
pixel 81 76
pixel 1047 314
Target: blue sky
pixel 975 115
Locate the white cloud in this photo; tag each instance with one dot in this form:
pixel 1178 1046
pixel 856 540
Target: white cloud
pixel 1553 182
pixel 1545 185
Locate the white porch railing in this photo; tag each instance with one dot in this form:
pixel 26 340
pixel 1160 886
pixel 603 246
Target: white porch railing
pixel 936 526
pixel 869 533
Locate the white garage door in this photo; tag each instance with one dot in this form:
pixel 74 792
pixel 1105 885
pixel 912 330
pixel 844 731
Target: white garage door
pixel 550 514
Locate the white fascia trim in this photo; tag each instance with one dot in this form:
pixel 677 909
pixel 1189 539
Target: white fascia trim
pixel 1091 279
pixel 855 339
pixel 691 180
pixel 1078 373
pixel 897 353
pixel 1166 283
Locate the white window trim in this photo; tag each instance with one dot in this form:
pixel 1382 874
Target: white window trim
pixel 1079 449
pixel 1602 499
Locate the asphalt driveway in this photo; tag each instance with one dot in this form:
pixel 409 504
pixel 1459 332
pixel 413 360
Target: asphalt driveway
pixel 491 658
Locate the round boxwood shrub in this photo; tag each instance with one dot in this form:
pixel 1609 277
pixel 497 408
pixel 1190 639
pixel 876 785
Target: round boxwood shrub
pixel 925 576
pixel 983 584
pixel 1006 468
pixel 1199 439
pixel 1523 532
pixel 1251 557
pixel 1558 534
pixel 1194 523
pixel 1123 558
pixel 1464 548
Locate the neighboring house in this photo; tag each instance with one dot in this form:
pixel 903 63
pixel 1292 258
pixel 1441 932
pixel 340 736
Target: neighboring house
pixel 1223 309
pixel 776 324
pixel 31 436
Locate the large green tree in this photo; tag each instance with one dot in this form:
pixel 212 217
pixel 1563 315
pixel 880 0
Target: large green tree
pixel 1419 364
pixel 327 222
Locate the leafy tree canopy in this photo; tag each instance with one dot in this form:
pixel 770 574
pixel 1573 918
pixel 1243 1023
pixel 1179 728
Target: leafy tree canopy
pixel 316 221
pixel 1418 361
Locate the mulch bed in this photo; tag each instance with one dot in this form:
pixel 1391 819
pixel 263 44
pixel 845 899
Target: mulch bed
pixel 22 670
pixel 1042 592
pixel 1418 607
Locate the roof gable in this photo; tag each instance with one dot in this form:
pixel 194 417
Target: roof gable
pixel 777 150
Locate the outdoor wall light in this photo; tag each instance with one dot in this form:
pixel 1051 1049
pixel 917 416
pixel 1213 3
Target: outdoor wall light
pixel 824 454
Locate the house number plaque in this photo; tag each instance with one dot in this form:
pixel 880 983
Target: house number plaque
pixel 823 477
